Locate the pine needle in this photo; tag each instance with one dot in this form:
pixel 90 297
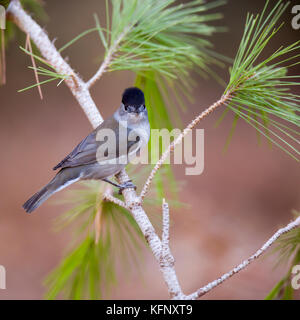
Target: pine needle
pixel 28 46
pixel 260 88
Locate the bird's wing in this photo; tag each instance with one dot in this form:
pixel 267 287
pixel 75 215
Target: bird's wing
pixel 86 151
pixel 83 153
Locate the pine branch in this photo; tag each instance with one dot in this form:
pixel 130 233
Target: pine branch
pixel 200 292
pixel 108 196
pixel 108 59
pixel 261 86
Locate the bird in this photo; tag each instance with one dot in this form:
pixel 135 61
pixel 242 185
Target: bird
pixel 105 151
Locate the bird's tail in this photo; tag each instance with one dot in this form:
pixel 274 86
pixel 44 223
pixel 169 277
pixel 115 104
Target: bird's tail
pixel 60 181
pixel 38 198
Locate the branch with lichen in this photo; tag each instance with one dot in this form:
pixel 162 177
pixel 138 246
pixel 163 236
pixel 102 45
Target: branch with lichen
pixel 245 263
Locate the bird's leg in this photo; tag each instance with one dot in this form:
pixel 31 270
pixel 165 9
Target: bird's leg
pixel 126 185
pixel 112 183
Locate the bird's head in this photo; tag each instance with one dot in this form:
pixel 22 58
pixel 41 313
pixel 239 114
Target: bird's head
pixel 133 107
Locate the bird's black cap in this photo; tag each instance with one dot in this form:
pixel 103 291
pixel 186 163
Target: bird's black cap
pixel 133 97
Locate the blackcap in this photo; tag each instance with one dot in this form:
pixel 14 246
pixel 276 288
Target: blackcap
pixel 105 151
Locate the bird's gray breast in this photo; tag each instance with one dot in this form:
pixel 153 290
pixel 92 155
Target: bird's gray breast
pixel 142 131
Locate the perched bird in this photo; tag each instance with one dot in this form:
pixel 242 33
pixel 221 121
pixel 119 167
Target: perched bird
pixel 105 151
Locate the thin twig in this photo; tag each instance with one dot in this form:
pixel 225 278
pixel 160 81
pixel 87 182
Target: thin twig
pixel 178 140
pixel 98 224
pixel 166 267
pixel 108 58
pixel 108 196
pixel 167 261
pixel 200 292
pixel 166 228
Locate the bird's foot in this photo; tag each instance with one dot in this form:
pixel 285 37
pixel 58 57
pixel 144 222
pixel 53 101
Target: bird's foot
pixel 126 185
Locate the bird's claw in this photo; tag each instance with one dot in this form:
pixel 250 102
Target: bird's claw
pixel 126 185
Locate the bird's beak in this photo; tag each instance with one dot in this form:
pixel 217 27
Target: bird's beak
pixel 131 109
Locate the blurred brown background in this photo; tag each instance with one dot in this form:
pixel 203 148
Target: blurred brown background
pixel 235 205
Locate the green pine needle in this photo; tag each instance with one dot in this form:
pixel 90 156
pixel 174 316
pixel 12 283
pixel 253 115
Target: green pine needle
pixel 260 88
pixel 51 74
pixel 162 37
pixel 288 244
pixel 89 270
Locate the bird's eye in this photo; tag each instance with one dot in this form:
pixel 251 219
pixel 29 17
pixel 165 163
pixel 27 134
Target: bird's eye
pixel 126 108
